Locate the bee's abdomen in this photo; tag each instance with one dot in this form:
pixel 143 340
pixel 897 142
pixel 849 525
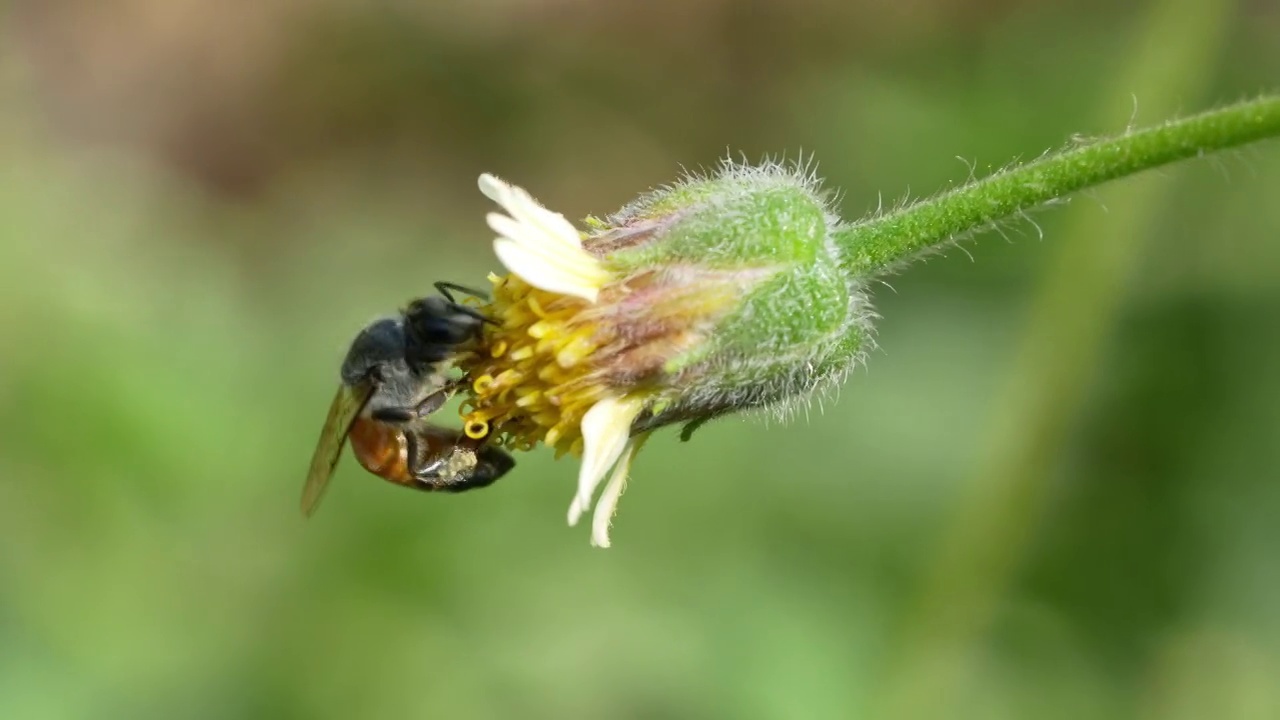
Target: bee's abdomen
pixel 380 449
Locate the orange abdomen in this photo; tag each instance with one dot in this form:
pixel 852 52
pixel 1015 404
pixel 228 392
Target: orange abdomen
pixel 380 448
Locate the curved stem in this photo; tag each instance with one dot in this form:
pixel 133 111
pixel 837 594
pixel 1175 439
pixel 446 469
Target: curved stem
pixel 874 245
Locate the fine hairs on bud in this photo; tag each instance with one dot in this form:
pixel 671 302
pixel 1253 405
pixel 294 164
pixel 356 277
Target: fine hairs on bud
pixel 798 330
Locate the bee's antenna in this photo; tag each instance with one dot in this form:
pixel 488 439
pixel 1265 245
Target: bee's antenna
pixel 444 287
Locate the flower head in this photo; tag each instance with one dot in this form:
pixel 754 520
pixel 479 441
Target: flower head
pixel 710 296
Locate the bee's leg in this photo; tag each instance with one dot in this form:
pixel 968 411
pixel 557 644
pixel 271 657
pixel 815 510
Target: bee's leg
pixel 425 471
pixel 429 405
pixel 491 464
pixel 437 399
pixel 444 287
pixel 394 415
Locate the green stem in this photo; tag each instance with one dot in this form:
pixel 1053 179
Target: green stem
pixel 949 644
pixel 874 245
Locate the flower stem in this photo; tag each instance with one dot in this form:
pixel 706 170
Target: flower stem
pixel 971 580
pixel 879 243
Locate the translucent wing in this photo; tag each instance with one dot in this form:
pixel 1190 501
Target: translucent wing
pixel 342 413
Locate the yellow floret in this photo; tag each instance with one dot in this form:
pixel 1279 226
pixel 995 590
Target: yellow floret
pixel 535 380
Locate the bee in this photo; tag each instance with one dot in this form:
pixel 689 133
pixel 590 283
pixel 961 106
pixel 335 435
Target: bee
pixel 392 380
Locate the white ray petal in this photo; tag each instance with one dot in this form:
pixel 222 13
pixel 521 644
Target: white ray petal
pixel 575 511
pixel 494 188
pixel 606 432
pixel 553 224
pixel 532 238
pixel 540 246
pixel 523 208
pixel 542 273
pixel 607 507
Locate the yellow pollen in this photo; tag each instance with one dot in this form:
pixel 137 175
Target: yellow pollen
pixel 476 429
pixel 537 379
pixel 550 374
pixel 573 353
pixel 547 417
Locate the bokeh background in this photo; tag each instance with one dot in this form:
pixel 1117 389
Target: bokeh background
pixel 1053 491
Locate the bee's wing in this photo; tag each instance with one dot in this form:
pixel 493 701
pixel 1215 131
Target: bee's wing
pixel 342 413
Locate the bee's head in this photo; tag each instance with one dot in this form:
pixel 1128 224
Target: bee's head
pixel 434 327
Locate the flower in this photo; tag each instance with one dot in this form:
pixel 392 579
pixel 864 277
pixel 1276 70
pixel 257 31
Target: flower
pixel 707 297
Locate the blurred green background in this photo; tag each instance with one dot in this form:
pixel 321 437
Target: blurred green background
pixel 1052 492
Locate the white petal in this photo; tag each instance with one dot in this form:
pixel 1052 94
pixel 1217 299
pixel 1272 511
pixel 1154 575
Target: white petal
pixel 523 208
pixel 492 187
pixel 540 246
pixel 606 431
pixel 575 511
pixel 542 273
pixel 608 505
pixel 553 224
pixel 530 237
